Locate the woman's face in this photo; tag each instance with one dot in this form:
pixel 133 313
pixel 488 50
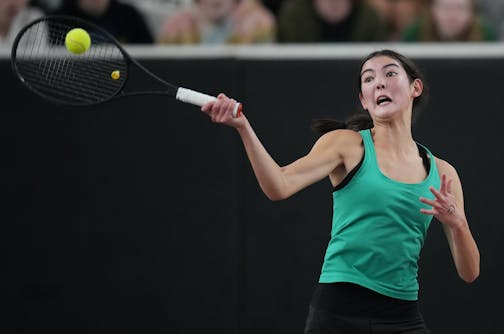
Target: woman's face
pixel 452 17
pixel 386 90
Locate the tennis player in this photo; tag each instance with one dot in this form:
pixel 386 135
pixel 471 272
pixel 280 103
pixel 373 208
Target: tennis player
pixel 387 189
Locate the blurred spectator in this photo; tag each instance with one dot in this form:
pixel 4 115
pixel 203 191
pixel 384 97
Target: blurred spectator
pixel 450 21
pixel 406 12
pixel 384 8
pixel 274 5
pixel 46 5
pixel 14 14
pixel 397 15
pixel 122 20
pixel 306 21
pixel 156 12
pixel 493 11
pixel 220 22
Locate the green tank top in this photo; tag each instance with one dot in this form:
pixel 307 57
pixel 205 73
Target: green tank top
pixel 378 230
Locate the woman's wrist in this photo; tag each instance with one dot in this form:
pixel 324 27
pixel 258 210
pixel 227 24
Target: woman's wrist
pixel 243 126
pixel 458 225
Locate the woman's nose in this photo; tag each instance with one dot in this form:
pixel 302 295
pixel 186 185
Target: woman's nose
pixel 380 84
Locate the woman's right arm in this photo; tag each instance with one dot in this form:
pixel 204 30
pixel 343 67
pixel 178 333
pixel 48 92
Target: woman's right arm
pixel 281 182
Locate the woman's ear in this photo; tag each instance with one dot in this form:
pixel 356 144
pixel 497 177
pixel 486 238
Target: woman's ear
pixel 417 88
pixel 362 101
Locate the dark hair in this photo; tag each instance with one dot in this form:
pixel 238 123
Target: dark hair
pixel 362 120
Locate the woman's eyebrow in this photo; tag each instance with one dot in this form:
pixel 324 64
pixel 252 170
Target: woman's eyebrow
pixel 371 70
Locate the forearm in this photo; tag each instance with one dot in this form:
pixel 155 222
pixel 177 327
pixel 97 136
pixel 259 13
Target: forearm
pixel 464 250
pixel 267 171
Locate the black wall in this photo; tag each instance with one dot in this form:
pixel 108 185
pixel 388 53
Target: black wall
pixel 142 216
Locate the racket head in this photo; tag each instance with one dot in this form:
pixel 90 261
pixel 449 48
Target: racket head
pixel 43 64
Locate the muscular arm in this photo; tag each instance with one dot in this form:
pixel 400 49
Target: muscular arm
pixel 328 154
pixel 281 182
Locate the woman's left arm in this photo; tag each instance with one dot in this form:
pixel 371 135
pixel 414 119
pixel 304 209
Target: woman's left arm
pixel 448 208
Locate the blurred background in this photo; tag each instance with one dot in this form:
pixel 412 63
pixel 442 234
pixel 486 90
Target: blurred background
pixel 141 216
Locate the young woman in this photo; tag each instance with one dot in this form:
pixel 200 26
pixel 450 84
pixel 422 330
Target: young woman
pixel 387 188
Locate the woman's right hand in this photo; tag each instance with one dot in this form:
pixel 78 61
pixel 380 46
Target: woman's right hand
pixel 221 111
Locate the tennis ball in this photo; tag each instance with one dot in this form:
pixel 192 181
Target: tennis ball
pixel 77 41
pixel 115 74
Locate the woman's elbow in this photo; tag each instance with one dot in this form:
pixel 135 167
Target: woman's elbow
pixel 275 195
pixel 470 277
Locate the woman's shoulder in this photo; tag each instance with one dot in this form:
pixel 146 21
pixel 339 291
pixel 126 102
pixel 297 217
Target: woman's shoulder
pixel 342 139
pixel 343 134
pixel 444 167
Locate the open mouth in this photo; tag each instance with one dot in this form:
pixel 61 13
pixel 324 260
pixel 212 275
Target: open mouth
pixel 383 100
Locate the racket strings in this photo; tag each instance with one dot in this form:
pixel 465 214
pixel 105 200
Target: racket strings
pixel 45 65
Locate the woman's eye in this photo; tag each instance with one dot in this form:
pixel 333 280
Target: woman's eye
pixel 368 79
pixel 391 74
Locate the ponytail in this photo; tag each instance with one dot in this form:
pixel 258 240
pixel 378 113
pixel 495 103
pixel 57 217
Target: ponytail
pixel 356 122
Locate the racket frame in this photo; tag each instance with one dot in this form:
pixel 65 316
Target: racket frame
pixel 180 93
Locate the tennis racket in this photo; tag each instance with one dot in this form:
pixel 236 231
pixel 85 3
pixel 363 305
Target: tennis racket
pixel 43 64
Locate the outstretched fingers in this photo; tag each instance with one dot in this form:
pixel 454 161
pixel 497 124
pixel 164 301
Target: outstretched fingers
pixel 436 207
pixel 443 202
pixel 443 187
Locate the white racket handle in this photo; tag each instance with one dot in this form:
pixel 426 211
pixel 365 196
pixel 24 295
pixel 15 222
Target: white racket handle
pixel 199 99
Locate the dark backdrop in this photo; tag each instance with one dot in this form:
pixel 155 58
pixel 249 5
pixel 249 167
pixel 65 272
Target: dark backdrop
pixel 142 216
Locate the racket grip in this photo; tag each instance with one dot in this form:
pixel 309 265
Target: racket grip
pixel 193 97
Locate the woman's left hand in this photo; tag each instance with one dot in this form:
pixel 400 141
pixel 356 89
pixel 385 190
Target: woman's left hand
pixel 444 207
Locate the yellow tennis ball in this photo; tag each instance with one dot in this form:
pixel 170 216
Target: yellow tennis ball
pixel 77 41
pixel 115 74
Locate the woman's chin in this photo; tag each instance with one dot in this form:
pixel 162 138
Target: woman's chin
pixel 385 112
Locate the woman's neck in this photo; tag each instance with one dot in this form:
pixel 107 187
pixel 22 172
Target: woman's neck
pixel 395 138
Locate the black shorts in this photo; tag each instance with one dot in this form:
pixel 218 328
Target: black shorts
pixel 345 308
